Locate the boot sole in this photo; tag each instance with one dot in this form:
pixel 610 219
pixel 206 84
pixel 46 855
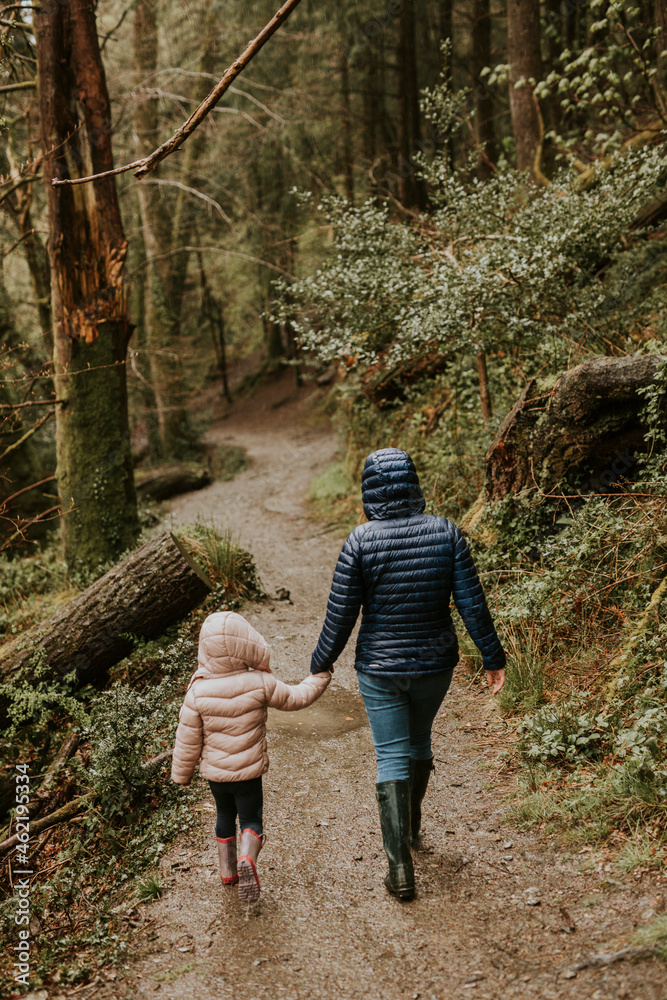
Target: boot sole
pixel 248 881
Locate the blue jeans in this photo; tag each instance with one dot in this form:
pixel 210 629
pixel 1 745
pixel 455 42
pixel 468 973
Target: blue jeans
pixel 401 710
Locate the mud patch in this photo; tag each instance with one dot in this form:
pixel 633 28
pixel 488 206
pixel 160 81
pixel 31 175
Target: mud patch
pixel 339 711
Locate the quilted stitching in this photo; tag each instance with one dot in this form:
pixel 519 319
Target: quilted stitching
pixel 404 567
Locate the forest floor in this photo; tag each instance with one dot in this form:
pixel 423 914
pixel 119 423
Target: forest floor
pixel 499 912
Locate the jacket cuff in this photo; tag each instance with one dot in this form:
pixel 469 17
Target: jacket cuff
pixel 495 664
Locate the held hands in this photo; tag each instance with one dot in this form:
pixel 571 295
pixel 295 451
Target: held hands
pixel 496 680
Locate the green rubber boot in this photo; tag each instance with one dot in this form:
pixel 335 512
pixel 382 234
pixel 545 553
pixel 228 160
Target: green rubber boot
pixel 394 807
pixel 420 772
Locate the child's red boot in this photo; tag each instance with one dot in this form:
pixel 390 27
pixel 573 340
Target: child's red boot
pixel 227 858
pixel 251 845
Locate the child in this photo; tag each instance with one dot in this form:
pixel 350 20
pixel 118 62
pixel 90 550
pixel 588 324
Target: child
pixel 222 724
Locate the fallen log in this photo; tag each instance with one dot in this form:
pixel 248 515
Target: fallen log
pixel 166 481
pixel 589 418
pixel 141 596
pixel 65 812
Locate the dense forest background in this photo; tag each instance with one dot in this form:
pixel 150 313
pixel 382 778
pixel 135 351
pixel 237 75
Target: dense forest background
pixel 453 213
pixel 483 184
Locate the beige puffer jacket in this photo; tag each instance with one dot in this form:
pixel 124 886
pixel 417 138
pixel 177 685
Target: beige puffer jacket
pixel 222 723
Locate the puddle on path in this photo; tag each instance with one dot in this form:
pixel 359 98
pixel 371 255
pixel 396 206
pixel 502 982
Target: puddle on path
pixel 338 711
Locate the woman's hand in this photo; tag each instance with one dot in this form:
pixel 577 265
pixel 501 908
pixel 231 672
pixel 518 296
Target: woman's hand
pixel 496 680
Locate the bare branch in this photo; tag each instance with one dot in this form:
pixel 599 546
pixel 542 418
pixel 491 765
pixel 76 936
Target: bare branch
pixel 31 402
pixel 146 164
pixel 197 194
pixel 28 433
pixel 227 253
pixel 22 85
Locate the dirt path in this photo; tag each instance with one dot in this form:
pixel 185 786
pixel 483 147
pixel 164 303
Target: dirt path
pixel 499 913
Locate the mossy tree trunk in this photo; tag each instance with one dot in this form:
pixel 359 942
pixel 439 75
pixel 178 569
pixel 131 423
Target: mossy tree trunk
pixel 86 250
pixel 589 418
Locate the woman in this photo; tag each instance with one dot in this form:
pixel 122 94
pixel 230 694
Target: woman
pixel 404 567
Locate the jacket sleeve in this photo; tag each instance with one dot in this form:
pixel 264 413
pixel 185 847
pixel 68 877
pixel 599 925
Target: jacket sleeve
pixel 345 602
pixel 189 741
pixel 471 605
pixel 292 697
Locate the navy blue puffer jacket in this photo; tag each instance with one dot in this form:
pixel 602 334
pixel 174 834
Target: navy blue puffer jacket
pixel 404 567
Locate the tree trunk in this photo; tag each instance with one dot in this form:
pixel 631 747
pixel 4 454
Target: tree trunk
pixel 143 595
pixel 589 419
pixel 523 55
pixel 410 191
pixel 19 462
pixel 484 395
pixel 183 223
pixel 86 252
pixel 481 58
pixel 213 314
pixel 160 315
pixel 660 21
pixel 445 25
pixel 346 122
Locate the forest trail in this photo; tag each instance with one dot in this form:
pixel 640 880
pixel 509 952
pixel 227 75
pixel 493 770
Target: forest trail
pixel 498 913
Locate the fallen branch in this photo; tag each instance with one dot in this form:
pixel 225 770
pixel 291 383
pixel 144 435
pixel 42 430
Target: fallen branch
pixel 72 808
pixel 157 761
pixel 604 959
pixel 147 163
pixel 59 816
pixel 46 795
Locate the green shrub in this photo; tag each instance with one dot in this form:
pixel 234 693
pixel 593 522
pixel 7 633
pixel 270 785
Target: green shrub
pixel 561 732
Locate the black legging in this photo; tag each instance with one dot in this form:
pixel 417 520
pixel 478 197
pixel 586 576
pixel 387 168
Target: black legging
pixel 244 798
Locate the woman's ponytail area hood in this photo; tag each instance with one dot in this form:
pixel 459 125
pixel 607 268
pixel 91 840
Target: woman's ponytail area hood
pixel 390 486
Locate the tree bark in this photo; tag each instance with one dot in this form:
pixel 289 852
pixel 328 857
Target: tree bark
pixel 523 55
pixel 481 58
pixel 590 418
pixel 346 122
pixel 410 190
pixel 142 595
pixel 21 465
pixel 163 272
pixel 484 395
pixel 59 816
pixel 86 252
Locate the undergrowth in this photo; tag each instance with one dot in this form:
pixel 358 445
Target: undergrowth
pixel 108 854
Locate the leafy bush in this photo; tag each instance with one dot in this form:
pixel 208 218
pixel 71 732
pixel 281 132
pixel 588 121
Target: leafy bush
pixel 563 732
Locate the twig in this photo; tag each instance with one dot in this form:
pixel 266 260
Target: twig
pixel 146 164
pixel 160 759
pixel 24 437
pixel 22 85
pixel 33 486
pixel 32 402
pixel 59 816
pixel 603 959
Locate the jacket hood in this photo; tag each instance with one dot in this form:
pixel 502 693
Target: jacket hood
pixel 228 643
pixel 390 486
